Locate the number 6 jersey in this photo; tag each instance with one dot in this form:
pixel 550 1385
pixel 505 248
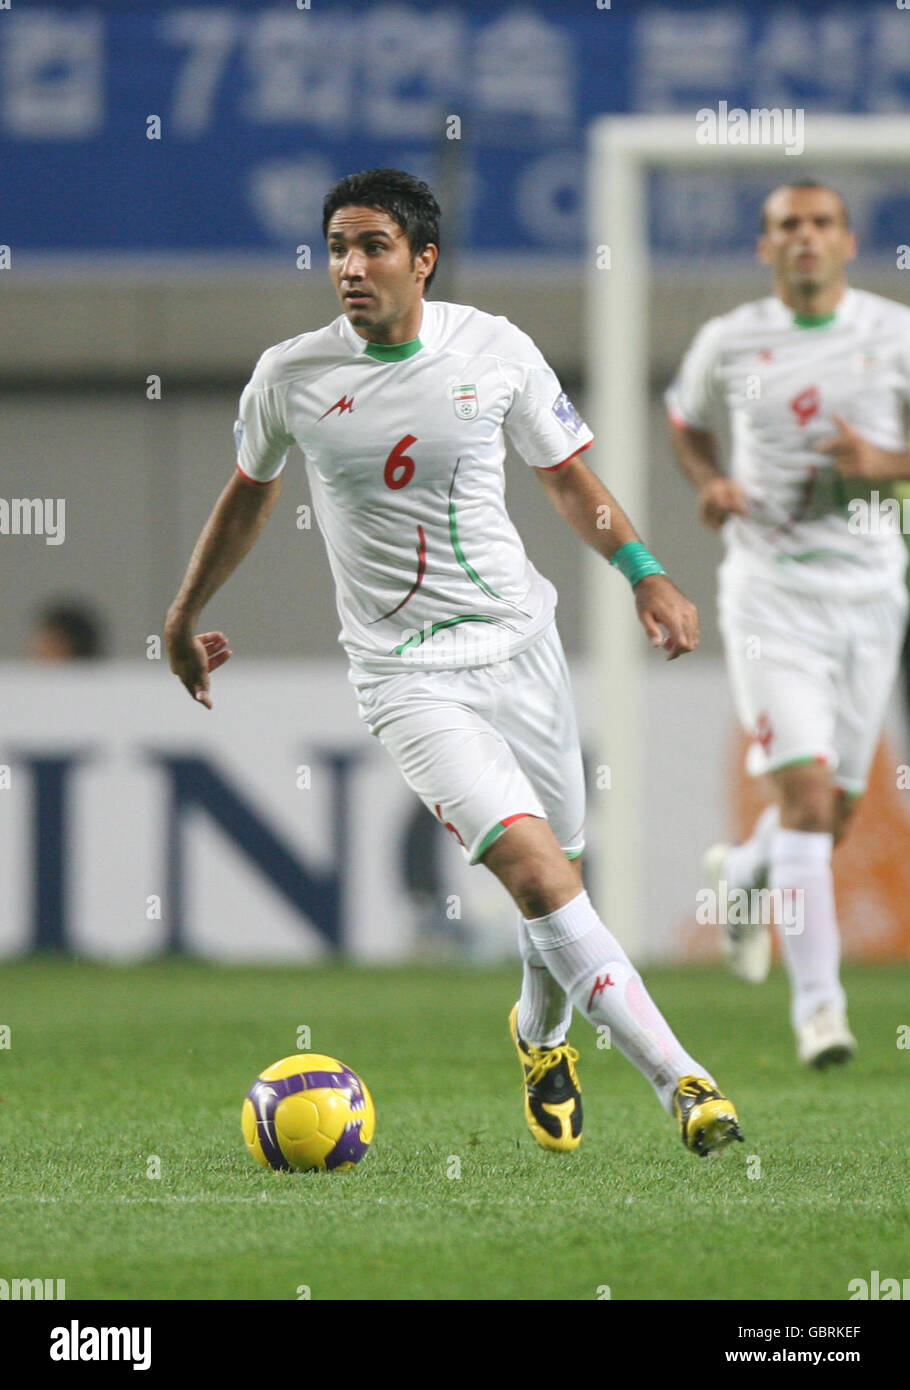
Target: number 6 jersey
pixel 404 449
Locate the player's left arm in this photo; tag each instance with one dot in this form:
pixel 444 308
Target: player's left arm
pixel 582 500
pixel 855 456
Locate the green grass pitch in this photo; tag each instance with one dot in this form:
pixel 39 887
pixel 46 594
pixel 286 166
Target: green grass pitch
pixel 108 1066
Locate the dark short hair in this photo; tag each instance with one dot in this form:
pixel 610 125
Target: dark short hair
pixel 408 201
pixel 79 625
pixel 806 183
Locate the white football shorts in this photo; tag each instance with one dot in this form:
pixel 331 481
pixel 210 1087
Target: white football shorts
pixel 811 677
pixel 484 745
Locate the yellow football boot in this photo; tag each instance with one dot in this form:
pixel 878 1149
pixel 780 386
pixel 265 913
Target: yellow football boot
pixel 707 1119
pixel 552 1091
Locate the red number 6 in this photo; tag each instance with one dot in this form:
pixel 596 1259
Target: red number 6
pixel 399 469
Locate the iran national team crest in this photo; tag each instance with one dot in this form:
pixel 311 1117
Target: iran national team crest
pixel 464 401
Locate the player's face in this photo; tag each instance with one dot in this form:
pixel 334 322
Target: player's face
pixel 806 241
pixel 379 282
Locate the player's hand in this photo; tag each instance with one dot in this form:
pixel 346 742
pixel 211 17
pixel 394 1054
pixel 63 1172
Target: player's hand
pixel 718 499
pixel 194 658
pixel 853 455
pixel 666 615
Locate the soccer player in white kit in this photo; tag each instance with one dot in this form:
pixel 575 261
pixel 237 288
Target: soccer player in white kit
pixel 814 382
pixel 400 407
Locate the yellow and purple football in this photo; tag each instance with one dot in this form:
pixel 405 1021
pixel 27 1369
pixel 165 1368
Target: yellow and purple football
pixel 308 1111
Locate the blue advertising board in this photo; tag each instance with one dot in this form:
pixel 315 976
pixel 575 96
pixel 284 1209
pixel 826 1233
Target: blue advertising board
pixel 217 127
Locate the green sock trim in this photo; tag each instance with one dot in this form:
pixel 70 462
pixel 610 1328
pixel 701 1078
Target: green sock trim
pixel 393 352
pixel 799 762
pixel 573 853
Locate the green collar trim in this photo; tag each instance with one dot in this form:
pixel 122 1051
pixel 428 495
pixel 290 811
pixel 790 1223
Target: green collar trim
pixel 393 352
pixel 813 320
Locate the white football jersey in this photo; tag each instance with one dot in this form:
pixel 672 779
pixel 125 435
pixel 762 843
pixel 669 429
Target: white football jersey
pixel 404 450
pixel 780 382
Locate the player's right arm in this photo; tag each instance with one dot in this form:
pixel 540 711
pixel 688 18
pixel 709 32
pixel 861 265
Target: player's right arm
pixel 693 402
pixel 236 520
pixel 262 441
pixel 696 454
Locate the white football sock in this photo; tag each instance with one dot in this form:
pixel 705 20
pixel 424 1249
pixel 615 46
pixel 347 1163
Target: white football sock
pixel 544 1009
pixel 747 864
pixel 801 863
pixel 602 983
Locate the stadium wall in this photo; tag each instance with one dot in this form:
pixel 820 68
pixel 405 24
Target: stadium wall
pixel 275 828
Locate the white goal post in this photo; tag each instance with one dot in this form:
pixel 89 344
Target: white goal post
pixel 622 151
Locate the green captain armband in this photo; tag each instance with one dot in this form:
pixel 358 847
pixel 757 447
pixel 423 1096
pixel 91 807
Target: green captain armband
pixel 636 562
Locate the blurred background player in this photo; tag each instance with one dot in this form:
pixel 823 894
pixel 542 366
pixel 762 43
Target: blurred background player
pixel 400 407
pixel 66 631
pixel 814 383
